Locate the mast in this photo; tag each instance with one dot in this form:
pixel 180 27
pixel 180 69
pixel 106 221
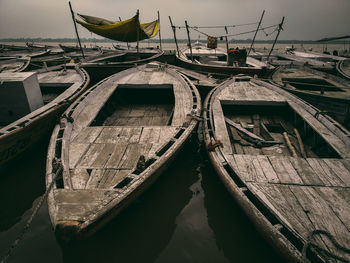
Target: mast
pixel 174 31
pixel 160 38
pixel 138 31
pixel 226 39
pixel 278 33
pixel 257 29
pixel 189 39
pixel 76 30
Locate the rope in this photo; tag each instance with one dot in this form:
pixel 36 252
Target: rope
pixel 322 250
pixel 238 25
pixel 35 211
pixel 238 34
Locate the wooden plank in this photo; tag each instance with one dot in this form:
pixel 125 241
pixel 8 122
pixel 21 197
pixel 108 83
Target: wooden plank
pixel 109 135
pixel 271 197
pixel 112 178
pixel 284 170
pixel 87 135
pixel 79 178
pixel 117 155
pixel 337 201
pixel 221 132
pixel 96 156
pixel 325 175
pixel 267 168
pixel 341 171
pixel 322 216
pixel 131 156
pixel 306 173
pixel 76 151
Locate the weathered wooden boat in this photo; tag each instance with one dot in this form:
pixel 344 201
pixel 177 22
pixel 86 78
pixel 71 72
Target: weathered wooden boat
pixel 218 61
pixel 114 142
pixel 287 166
pixel 329 93
pixel 58 87
pixel 14 64
pixel 104 66
pixel 343 68
pixel 296 58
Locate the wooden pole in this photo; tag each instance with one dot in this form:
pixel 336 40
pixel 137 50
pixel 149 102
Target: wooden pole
pixel 300 141
pixel 226 39
pixel 256 32
pixel 138 31
pixel 189 39
pixel 278 33
pixel 127 43
pixel 289 144
pixel 174 31
pixel 76 30
pixel 160 38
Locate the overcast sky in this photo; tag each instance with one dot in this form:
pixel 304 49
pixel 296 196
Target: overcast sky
pixel 304 19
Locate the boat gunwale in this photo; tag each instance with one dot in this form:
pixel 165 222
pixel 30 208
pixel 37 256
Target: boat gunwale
pixel 146 178
pixel 240 193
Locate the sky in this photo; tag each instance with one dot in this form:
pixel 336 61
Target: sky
pixel 304 19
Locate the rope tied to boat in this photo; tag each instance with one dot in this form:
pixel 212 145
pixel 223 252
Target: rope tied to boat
pixel 58 168
pixel 325 253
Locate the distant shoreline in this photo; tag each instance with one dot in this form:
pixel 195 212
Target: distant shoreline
pixel 168 40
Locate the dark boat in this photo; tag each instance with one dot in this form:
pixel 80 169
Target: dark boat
pixel 343 68
pixel 287 166
pixel 114 142
pixel 329 93
pixel 218 61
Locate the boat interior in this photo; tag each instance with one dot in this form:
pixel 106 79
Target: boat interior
pixel 138 105
pixel 273 130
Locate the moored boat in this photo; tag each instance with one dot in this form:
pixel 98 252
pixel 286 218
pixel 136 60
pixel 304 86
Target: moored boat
pixel 58 87
pixel 287 166
pixel 114 142
pixel 329 93
pixel 343 68
pixel 219 61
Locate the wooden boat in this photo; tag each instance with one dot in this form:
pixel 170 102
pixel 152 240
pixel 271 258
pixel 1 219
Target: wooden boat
pixel 343 68
pixel 113 62
pixel 327 92
pixel 215 60
pixel 59 87
pixel 14 64
pixel 287 166
pixel 299 58
pixel 114 142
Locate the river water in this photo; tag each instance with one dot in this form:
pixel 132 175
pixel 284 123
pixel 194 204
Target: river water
pixel 186 216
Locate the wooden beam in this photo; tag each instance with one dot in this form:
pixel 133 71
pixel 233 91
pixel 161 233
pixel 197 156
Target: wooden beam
pixel 278 33
pixel 76 29
pixel 174 31
pixel 257 29
pixel 189 39
pixel 160 38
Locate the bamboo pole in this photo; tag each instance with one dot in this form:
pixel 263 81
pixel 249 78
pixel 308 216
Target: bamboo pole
pixel 189 39
pixel 301 145
pixel 160 38
pixel 174 31
pixel 278 33
pixel 226 39
pixel 257 29
pixel 289 144
pixel 138 31
pixel 76 29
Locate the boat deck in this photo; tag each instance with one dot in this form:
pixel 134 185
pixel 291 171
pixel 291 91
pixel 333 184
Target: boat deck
pixel 301 192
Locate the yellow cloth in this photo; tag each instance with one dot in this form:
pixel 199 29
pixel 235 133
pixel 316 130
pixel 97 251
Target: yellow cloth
pixel 125 31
